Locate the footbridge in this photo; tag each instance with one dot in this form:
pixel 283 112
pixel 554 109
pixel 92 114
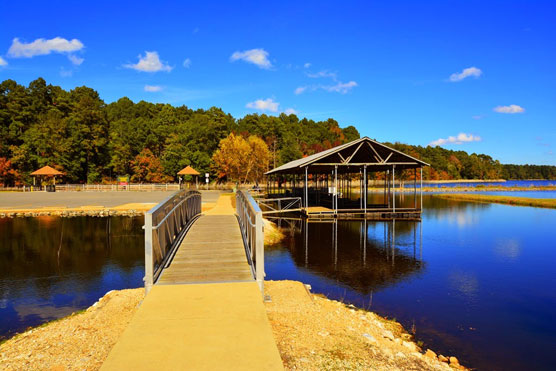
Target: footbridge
pixel 204 284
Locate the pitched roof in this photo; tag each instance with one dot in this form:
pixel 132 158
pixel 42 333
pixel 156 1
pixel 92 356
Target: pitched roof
pixel 355 154
pixel 188 171
pixel 47 170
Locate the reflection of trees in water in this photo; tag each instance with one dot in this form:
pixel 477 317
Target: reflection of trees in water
pixel 365 264
pixel 55 246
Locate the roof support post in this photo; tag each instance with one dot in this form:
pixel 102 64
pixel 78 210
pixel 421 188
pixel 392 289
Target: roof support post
pixel 394 188
pixel 365 186
pixel 415 188
pixel 360 190
pixel 421 203
pixel 335 189
pixel 306 190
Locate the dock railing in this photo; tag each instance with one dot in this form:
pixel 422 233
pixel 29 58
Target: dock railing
pixel 279 205
pixel 164 225
pixel 251 224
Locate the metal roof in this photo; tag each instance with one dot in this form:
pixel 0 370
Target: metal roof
pixel 366 152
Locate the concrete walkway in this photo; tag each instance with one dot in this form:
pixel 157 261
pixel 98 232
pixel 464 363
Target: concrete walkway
pixel 210 326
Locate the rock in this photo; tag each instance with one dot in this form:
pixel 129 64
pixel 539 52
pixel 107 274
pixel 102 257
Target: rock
pixel 430 354
pixel 370 338
pixel 400 355
pixel 441 358
pixel 454 361
pixel 388 334
pixel 410 345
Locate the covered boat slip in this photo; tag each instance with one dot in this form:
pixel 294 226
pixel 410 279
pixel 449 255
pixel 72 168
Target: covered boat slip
pixel 356 180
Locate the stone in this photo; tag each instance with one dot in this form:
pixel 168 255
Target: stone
pixel 454 361
pixel 441 358
pixel 388 334
pixel 410 345
pixel 430 354
pixel 370 338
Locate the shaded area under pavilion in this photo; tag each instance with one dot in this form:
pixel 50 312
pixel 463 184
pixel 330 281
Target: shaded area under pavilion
pixel 336 182
pixel 188 170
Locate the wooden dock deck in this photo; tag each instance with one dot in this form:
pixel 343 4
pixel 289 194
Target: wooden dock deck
pixel 205 312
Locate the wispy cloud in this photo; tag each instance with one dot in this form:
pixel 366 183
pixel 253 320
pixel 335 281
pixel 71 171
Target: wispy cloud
pixel 187 63
pixel 3 62
pixel 477 117
pixel 153 88
pixel 258 57
pixel 339 87
pixel 20 49
pixel 512 108
pixel 323 73
pixel 75 59
pixel 264 105
pixel 300 90
pixel 459 139
pixel 307 65
pixel 291 111
pixel 65 72
pixel 467 72
pixel 149 63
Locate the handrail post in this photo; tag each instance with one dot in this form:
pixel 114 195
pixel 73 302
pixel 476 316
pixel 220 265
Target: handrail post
pixel 259 265
pixel 149 262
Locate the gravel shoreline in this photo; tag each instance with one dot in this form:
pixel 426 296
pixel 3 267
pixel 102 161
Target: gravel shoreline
pixel 311 332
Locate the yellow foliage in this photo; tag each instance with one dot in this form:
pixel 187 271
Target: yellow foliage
pixel 241 160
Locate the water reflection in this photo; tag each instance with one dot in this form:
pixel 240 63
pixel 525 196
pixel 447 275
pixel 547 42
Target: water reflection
pixel 364 255
pixel 52 266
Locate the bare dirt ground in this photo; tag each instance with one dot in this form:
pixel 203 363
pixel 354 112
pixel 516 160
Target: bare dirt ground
pixel 312 333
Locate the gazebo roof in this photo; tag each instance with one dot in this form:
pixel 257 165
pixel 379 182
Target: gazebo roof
pixel 47 170
pixel 351 157
pixel 188 171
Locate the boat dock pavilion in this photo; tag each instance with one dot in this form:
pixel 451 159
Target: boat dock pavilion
pixel 335 183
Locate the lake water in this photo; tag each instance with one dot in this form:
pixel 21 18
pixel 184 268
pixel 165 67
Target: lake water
pixel 507 183
pixel 52 266
pixel 479 284
pixel 474 280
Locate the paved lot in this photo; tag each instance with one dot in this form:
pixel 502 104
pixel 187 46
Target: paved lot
pixel 29 200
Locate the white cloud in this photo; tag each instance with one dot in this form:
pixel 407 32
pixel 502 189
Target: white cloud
pixel 264 105
pixel 149 63
pixel 75 59
pixel 512 108
pixel 300 90
pixel 257 57
pixel 43 47
pixel 65 73
pixel 291 111
pixel 307 65
pixel 340 87
pixel 187 63
pixel 459 139
pixel 3 62
pixel 323 73
pixel 153 88
pixel 467 72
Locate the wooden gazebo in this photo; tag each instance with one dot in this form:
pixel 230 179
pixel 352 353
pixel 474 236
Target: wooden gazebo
pixel 324 181
pixel 46 171
pixel 188 170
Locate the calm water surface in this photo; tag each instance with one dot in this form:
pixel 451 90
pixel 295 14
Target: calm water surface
pixel 52 266
pixel 479 284
pixel 474 280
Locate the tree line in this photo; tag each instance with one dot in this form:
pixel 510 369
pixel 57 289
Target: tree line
pixel 91 141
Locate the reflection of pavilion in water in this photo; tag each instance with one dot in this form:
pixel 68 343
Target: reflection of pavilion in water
pixel 364 255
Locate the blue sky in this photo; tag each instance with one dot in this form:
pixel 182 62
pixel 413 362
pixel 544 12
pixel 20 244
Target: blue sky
pixel 472 75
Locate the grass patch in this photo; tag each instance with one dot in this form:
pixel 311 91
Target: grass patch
pixel 508 200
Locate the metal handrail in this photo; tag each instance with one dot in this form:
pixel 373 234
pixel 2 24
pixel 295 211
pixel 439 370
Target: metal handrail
pixel 164 225
pixel 250 219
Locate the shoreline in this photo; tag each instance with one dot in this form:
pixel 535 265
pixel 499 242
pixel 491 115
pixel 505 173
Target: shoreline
pixel 311 331
pixel 548 203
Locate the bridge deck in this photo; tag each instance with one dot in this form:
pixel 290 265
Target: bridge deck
pixel 185 323
pixel 212 251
